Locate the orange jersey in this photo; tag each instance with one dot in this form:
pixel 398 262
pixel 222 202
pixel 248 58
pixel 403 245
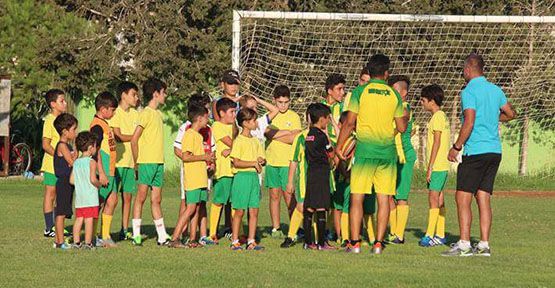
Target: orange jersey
pixel 107 148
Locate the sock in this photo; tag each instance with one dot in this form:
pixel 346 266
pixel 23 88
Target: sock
pixel 370 228
pixel 392 221
pixel 344 226
pixel 307 226
pixel 463 244
pixel 432 221
pixel 440 228
pixel 215 211
pixel 296 220
pixel 48 220
pixel 483 244
pixel 402 218
pixel 106 223
pixel 95 227
pixel 136 223
pixel 161 230
pixel 321 224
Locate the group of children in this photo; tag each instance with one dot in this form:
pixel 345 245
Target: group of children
pixel 222 150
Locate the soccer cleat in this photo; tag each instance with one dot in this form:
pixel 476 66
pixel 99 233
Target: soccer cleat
pixel 427 241
pixel 311 246
pixel 345 244
pixel 194 244
pixel 66 233
pixel 125 235
pixel 353 248
pixel 109 243
pixel 236 246
pixel 49 233
pixel 287 243
pixel 255 247
pixel 378 247
pixel 64 246
pixel 99 242
pixel 77 246
pixel 165 243
pixel 455 250
pixel 87 246
pixel 137 241
pixel 397 240
pixel 206 241
pixel 176 244
pixel 478 251
pixel 440 241
pixel 326 247
pixel 277 233
pixel 391 237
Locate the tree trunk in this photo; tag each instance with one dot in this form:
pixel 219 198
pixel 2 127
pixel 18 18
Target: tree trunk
pixel 523 147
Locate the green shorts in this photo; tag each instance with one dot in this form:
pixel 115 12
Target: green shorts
pixel 196 196
pixel 404 176
pixel 245 191
pixel 49 179
pixel 437 181
pixel 341 196
pixel 104 192
pixel 125 180
pixel 151 174
pixel 276 177
pixel 222 190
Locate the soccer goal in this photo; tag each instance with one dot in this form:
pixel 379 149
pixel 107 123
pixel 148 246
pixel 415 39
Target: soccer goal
pixel 301 49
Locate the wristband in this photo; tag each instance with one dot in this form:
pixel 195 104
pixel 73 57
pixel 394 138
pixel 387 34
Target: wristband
pixel 456 148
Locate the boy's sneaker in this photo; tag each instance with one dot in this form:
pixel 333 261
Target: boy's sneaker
pixel 353 248
pixel 63 246
pixel 345 244
pixel 326 247
pixel 427 241
pixel 125 235
pixel 109 243
pixel 456 250
pixel 193 244
pixel 479 251
pixel 87 246
pixel 255 247
pixel 397 241
pixel 49 233
pixel 236 246
pixel 99 242
pixel 76 246
pixel 287 243
pixel 206 241
pixel 440 241
pixel 277 233
pixel 165 242
pixel 390 237
pixel 311 246
pixel 176 244
pixel 378 247
pixel 137 241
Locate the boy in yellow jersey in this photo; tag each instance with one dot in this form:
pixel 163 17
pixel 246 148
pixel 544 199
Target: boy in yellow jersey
pixel 373 109
pixel 248 158
pixel 147 145
pixel 222 131
pixel 363 78
pixel 123 125
pixel 278 153
pixel 105 104
pixel 399 206
pixel 55 99
pixel 195 174
pixel 437 150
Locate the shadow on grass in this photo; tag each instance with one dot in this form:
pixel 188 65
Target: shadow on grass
pixel 451 238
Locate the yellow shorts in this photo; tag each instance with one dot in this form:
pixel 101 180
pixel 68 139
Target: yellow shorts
pixel 380 174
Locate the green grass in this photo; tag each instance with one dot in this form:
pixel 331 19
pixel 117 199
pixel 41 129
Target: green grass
pixel 521 244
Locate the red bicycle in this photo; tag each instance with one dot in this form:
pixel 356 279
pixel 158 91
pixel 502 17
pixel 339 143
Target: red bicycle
pixel 20 156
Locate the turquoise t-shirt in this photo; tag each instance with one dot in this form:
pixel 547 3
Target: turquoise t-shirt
pixel 486 99
pixel 86 194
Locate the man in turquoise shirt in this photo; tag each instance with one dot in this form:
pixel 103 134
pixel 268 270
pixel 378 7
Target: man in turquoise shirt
pixel 484 105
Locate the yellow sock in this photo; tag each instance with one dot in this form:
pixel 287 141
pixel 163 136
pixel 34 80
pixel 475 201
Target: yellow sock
pixel 106 223
pixel 392 221
pixel 370 227
pixel 296 221
pixel 440 229
pixel 432 221
pixel 95 227
pixel 402 218
pixel 215 211
pixel 345 226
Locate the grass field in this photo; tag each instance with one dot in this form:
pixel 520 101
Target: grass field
pixel 521 241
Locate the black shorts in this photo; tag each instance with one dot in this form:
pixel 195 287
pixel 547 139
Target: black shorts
pixel 477 172
pixel 64 197
pixel 318 194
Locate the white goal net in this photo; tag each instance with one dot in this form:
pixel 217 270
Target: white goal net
pixel 301 49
